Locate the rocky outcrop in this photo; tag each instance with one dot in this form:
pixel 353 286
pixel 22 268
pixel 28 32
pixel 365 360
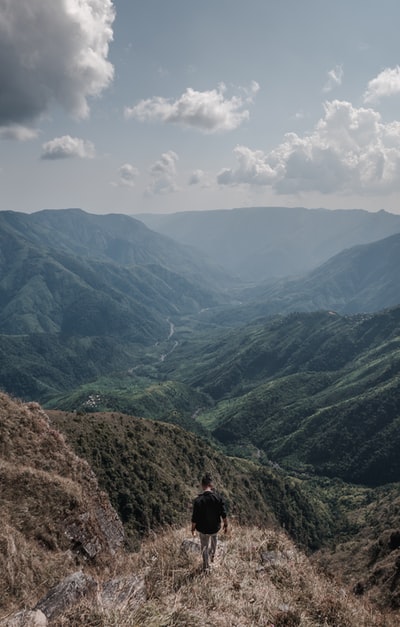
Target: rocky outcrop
pixel 121 593
pixel 55 519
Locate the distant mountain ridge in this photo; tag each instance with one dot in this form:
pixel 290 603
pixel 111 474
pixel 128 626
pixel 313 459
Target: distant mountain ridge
pixel 363 278
pixel 79 292
pixel 76 273
pixel 258 243
pixel 110 237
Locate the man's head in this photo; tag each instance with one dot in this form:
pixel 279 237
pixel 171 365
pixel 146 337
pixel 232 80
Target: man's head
pixel 206 481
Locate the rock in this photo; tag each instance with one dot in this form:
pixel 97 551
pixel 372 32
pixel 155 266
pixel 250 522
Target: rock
pixel 123 592
pixel 26 618
pixel 192 546
pixel 97 531
pixel 66 594
pixel 275 557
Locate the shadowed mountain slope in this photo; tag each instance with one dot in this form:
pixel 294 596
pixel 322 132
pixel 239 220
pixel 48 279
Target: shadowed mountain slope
pixel 360 279
pixel 70 310
pixel 112 237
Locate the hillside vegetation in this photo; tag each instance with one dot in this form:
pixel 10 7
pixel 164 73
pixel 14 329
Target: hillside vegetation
pixel 259 578
pixel 152 471
pixel 57 523
pixel 359 279
pixel 85 296
pixel 316 393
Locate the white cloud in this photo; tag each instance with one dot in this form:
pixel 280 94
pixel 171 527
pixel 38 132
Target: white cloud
pixel 350 150
pixel 18 132
pixel 207 111
pixel 253 168
pixel 387 83
pixel 163 174
pixel 66 147
pixel 52 53
pixel 128 175
pixel 196 177
pixel 335 77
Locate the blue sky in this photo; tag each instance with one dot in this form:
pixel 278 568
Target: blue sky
pixel 163 106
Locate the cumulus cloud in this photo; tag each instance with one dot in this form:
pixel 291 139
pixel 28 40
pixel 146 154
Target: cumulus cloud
pixel 163 174
pixel 335 77
pixel 128 175
pixel 387 83
pixel 52 53
pixel 66 147
pixel 196 177
pixel 350 150
pixel 207 111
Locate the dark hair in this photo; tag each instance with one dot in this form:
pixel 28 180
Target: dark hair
pixel 206 480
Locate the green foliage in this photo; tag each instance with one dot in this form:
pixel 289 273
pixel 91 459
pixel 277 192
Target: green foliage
pixel 314 392
pixel 168 401
pixel 152 471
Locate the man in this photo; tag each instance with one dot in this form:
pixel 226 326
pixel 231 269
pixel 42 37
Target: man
pixel 208 511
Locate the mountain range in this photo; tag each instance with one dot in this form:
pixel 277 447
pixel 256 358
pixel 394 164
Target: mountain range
pixel 275 364
pixel 100 312
pixel 259 243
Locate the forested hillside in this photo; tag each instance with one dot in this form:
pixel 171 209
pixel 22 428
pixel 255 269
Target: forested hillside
pixel 360 279
pixel 156 365
pixel 315 392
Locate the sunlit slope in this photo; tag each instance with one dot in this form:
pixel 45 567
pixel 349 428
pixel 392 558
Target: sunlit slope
pixel 312 391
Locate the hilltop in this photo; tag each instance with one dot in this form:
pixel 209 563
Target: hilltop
pixel 61 530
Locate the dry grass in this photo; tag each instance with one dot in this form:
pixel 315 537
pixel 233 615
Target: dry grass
pixel 46 491
pixel 282 590
pixel 259 577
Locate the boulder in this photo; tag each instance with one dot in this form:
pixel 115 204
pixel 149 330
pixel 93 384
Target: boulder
pixel 66 594
pixel 26 618
pixel 123 592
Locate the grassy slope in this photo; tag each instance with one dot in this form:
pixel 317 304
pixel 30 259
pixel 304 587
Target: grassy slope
pixel 47 493
pixel 152 470
pixel 259 578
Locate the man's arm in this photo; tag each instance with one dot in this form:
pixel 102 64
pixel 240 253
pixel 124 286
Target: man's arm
pixel 223 515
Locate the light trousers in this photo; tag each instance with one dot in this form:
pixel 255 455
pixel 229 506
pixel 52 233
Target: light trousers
pixel 208 545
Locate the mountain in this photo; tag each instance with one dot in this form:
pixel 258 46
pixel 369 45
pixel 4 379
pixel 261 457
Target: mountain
pixel 63 560
pixel 315 392
pixel 113 237
pixel 258 243
pixel 79 293
pixel 360 279
pixel 151 471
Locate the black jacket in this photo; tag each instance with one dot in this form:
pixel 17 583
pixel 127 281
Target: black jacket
pixel 208 509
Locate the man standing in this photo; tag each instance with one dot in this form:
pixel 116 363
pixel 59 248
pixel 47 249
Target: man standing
pixel 208 510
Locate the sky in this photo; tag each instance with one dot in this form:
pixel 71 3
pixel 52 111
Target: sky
pixel 162 106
